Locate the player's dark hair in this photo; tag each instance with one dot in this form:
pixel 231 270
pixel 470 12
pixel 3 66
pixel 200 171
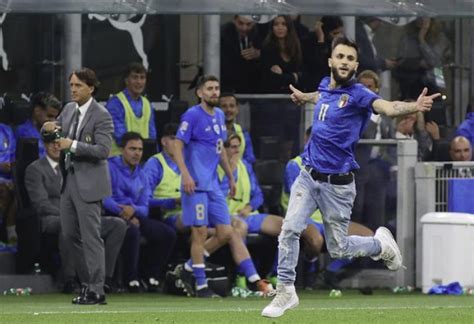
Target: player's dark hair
pixel 135 67
pixel 130 136
pixel 170 129
pixel 343 40
pixel 206 78
pixel 45 100
pixel 228 94
pixel 230 138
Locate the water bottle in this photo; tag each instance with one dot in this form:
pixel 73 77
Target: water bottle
pixel 402 289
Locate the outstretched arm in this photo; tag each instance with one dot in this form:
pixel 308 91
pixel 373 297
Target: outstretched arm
pixel 399 108
pixel 301 98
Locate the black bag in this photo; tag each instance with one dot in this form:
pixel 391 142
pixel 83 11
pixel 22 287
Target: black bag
pixel 217 280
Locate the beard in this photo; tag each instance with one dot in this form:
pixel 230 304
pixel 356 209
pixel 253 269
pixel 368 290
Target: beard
pixel 212 102
pixel 340 80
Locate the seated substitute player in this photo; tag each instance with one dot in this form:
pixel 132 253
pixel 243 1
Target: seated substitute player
pixel 129 200
pixel 342 109
pixel 201 136
pixel 230 106
pixel 165 180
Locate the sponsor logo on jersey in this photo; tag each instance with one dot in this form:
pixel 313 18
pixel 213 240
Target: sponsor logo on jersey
pixel 184 127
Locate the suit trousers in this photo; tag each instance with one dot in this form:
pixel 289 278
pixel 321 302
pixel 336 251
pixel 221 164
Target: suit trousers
pixel 112 232
pixel 81 225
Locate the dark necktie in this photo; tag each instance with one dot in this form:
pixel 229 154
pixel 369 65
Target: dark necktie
pixel 72 135
pixel 75 124
pixel 58 174
pixel 244 44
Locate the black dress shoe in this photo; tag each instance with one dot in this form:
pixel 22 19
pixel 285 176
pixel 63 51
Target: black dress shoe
pixel 82 295
pixel 91 298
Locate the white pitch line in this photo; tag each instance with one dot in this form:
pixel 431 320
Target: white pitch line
pixel 237 310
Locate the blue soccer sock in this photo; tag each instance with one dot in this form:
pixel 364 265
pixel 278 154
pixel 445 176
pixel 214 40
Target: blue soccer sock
pixel 188 265
pixel 248 269
pixel 275 265
pixel 338 264
pixel 311 266
pixel 200 275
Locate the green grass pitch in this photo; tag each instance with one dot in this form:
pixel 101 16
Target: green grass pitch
pixel 315 307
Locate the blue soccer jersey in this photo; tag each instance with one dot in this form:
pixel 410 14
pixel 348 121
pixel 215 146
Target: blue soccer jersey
pixel 204 136
pixel 340 117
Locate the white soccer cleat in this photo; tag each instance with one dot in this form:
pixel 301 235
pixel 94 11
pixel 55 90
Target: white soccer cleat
pixel 285 298
pixel 390 253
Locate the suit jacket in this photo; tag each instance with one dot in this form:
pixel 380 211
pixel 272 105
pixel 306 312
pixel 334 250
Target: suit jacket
pixel 237 74
pixel 367 58
pixel 43 187
pixel 94 138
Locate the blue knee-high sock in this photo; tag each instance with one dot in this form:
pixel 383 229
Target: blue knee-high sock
pixel 311 266
pixel 248 269
pixel 275 265
pixel 200 275
pixel 338 264
pixel 188 265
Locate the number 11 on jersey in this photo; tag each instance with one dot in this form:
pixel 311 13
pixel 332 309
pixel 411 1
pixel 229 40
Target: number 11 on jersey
pixel 323 111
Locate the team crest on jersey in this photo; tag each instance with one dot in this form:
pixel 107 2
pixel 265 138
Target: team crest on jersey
pixel 343 100
pixel 217 129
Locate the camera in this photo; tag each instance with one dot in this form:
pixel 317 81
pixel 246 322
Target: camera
pixel 49 137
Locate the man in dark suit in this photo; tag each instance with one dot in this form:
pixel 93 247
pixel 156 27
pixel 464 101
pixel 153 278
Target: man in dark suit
pixel 43 183
pixel 369 58
pixel 240 54
pixel 87 129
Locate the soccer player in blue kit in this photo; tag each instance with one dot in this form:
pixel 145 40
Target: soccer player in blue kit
pixel 201 136
pixel 342 109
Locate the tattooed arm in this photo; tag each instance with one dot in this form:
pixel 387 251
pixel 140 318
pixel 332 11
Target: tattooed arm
pixel 398 108
pixel 300 98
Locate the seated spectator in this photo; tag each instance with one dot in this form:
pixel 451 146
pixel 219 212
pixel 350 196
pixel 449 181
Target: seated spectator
pixel 230 106
pixel 466 128
pixel 129 201
pixel 43 182
pixel 281 57
pixel 316 49
pixel 460 149
pixel 412 126
pixel 44 107
pixel 8 205
pixel 165 180
pixel 131 111
pixel 240 55
pixel 369 58
pixel 420 53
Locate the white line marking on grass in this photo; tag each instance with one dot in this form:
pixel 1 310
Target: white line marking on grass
pixel 238 310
